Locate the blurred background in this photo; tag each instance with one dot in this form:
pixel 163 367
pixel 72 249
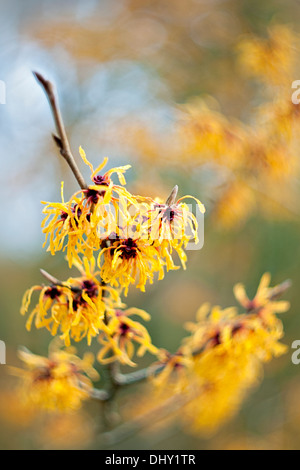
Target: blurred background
pixel 195 93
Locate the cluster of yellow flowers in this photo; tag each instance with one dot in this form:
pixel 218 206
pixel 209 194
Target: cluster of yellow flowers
pixel 233 348
pixel 58 382
pixel 76 307
pixel 220 361
pixel 136 236
pixel 115 240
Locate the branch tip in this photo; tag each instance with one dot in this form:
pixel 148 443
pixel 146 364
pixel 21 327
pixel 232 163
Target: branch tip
pixel 60 138
pixel 50 278
pixel 39 77
pixel 172 197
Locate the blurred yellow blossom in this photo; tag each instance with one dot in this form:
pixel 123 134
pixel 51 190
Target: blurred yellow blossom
pixel 222 358
pixel 59 382
pixel 270 59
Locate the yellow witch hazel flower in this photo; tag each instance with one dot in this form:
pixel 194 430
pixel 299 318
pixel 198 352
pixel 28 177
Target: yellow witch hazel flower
pixel 77 225
pixel 219 381
pixel 120 336
pixel 228 351
pixel 265 305
pixel 131 261
pixel 66 224
pixel 257 331
pixel 172 226
pixel 173 220
pixel 76 307
pixel 59 382
pixel 222 358
pixel 144 242
pixel 210 327
pixel 264 297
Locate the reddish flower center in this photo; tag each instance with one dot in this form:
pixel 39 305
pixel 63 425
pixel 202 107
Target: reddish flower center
pixel 128 248
pixel 77 211
pixel 92 194
pixel 166 212
pixel 100 180
pixel 53 292
pixel 169 214
pixel 124 328
pixel 90 288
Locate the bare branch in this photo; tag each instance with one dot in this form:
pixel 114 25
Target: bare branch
pixel 56 282
pixel 61 139
pixel 99 394
pixel 50 278
pixel 138 375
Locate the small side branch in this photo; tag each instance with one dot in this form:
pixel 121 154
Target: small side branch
pixel 56 282
pixel 101 395
pixel 51 278
pixel 61 138
pixel 139 375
